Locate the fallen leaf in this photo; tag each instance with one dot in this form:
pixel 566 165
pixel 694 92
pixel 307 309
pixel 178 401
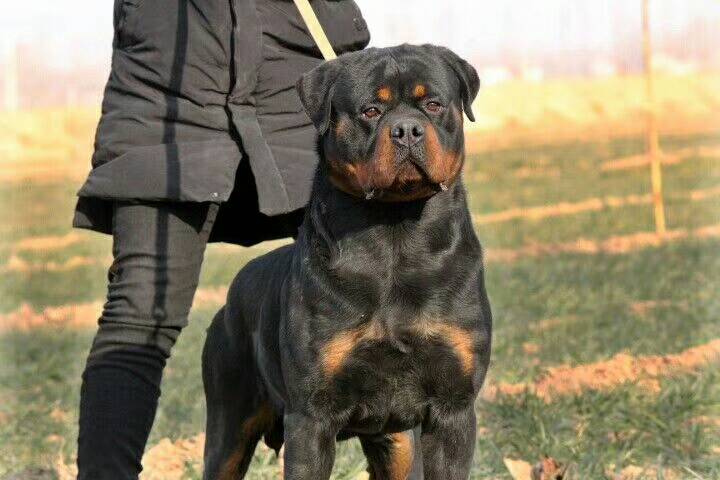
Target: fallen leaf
pixel 59 415
pixel 519 469
pixel 548 469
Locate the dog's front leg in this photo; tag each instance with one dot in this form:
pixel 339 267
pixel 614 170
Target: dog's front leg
pixel 309 448
pixel 448 444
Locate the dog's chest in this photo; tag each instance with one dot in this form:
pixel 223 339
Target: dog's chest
pixel 387 380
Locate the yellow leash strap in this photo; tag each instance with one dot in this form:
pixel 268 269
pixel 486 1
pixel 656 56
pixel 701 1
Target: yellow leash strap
pixel 315 29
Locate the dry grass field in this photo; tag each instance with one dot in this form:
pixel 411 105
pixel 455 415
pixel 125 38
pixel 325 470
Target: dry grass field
pixel 607 337
pixel 566 110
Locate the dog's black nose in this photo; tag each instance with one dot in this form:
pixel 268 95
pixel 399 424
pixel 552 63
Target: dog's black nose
pixel 407 133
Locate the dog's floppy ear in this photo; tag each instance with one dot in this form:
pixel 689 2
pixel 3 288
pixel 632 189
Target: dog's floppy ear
pixel 466 73
pixel 316 89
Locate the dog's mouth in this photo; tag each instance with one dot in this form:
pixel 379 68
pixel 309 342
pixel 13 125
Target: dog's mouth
pixel 398 174
pixel 419 162
pixel 412 179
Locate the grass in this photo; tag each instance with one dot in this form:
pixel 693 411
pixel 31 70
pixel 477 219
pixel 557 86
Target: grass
pixel 596 430
pixel 593 298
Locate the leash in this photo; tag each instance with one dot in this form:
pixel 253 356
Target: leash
pixel 315 29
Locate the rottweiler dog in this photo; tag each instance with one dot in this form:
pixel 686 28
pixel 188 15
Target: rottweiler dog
pixel 375 323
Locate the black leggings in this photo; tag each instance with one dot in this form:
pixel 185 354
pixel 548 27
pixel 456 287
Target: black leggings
pixel 158 250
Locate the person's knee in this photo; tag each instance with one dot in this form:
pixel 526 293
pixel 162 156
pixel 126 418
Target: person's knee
pixel 135 349
pixel 113 336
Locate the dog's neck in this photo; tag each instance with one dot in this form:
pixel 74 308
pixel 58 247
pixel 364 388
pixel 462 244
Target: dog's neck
pixel 339 223
pixel 389 260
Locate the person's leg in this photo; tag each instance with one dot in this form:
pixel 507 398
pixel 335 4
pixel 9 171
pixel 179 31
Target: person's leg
pixel 158 251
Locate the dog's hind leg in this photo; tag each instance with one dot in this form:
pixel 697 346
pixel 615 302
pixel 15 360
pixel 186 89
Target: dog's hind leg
pixel 237 416
pixel 396 456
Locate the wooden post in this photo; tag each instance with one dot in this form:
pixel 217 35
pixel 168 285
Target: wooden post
pixel 652 142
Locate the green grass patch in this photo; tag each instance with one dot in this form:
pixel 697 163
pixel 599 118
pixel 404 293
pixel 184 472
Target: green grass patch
pixel 597 429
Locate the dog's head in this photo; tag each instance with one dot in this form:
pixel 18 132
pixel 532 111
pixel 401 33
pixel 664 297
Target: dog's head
pixel 390 119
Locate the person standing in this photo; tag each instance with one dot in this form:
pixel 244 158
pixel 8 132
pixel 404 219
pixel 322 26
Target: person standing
pixel 202 138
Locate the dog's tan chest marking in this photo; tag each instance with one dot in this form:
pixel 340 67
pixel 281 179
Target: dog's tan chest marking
pixel 334 354
pixel 460 340
pixel 336 351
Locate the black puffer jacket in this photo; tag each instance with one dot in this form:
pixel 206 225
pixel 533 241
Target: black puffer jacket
pixel 200 106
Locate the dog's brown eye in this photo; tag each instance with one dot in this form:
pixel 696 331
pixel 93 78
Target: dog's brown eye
pixel 433 107
pixel 371 112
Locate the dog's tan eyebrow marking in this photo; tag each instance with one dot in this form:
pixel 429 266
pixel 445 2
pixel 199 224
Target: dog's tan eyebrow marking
pixel 419 91
pixel 384 94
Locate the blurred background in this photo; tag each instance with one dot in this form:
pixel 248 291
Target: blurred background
pixel 594 178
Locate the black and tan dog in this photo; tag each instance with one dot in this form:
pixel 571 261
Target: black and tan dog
pixel 375 322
